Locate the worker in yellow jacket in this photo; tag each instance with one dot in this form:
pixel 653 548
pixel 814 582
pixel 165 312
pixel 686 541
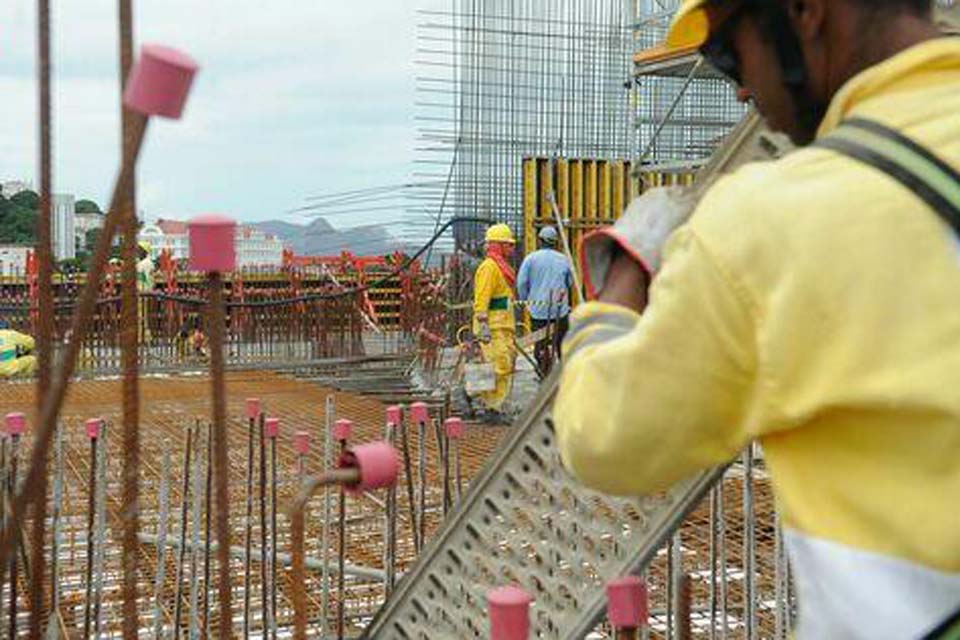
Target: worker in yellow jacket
pixel 16 354
pixel 493 321
pixel 812 303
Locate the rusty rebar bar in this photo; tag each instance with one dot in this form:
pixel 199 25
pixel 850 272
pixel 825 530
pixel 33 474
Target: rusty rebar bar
pixel 12 522
pixel 408 472
pixel 129 338
pixel 248 529
pixel 91 520
pixel 215 312
pixel 297 551
pixel 45 315
pixel 273 537
pixel 205 632
pixel 184 506
pixel 264 584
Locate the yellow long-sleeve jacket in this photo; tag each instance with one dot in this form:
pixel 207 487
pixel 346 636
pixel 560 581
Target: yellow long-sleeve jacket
pixel 493 295
pixel 812 303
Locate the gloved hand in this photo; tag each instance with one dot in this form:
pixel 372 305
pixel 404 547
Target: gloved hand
pixel 484 333
pixel 640 233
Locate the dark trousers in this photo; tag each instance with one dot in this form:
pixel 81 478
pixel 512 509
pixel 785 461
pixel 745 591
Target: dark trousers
pixel 547 349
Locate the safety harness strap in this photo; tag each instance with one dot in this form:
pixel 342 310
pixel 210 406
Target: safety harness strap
pixel 912 165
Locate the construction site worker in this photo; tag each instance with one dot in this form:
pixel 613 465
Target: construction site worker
pixel 493 321
pixel 145 283
pixel 544 283
pixel 810 303
pixel 16 354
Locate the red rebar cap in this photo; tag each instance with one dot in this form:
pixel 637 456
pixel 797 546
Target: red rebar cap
pixel 454 428
pixel 212 243
pixel 394 415
pixel 342 429
pixel 93 427
pixel 16 423
pixel 378 463
pixel 301 442
pixel 627 602
pixel 271 427
pixel 253 407
pixel 509 609
pixel 159 82
pixel 419 413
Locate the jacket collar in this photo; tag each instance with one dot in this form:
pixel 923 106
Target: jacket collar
pixel 939 53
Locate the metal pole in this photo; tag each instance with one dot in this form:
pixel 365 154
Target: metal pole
pixel 749 546
pixel 329 410
pixel 56 525
pixel 208 490
pixel 264 585
pixel 411 502
pixel 390 525
pixel 101 531
pixel 248 528
pixel 273 538
pixel 196 513
pixel 342 552
pixel 299 572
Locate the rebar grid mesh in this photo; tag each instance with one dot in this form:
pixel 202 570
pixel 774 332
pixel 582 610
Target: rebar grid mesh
pixel 169 406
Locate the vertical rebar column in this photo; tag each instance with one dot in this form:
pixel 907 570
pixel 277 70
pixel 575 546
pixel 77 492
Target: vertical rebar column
pixel 420 416
pixel 195 516
pixel 45 315
pixel 160 578
pixel 100 542
pixel 208 488
pixel 779 579
pixel 93 433
pixel 56 525
pixel 390 515
pixel 329 409
pixel 302 446
pixel 129 338
pixel 749 546
pixel 264 567
pixel 341 433
pixel 455 430
pixel 253 412
pixel 184 505
pixel 408 473
pixel 273 532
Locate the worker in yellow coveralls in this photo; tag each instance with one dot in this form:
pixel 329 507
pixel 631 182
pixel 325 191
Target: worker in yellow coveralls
pixel 493 321
pixel 16 354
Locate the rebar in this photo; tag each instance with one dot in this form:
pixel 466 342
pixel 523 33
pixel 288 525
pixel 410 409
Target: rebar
pixel 91 522
pixel 329 416
pixel 184 506
pixel 208 490
pixel 248 527
pixel 164 513
pixel 341 554
pixel 297 553
pixel 100 542
pixel 45 314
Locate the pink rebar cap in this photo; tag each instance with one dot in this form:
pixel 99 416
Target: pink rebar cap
pixel 93 427
pixel 419 413
pixel 394 415
pixel 212 243
pixel 378 464
pixel 159 82
pixel 271 427
pixel 16 423
pixel 627 602
pixel 301 442
pixel 253 407
pixel 342 429
pixel 454 428
pixel 509 609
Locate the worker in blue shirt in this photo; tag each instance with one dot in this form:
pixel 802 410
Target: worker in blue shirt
pixel 544 282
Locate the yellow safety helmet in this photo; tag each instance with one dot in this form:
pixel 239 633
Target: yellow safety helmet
pixel 500 233
pixel 690 26
pixel 146 246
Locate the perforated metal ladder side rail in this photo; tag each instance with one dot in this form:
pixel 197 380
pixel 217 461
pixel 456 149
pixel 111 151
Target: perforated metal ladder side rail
pixel 433 602
pixel 443 595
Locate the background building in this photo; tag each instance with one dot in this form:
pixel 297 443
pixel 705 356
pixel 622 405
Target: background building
pixel 64 238
pixel 13 259
pixel 13 187
pixel 254 247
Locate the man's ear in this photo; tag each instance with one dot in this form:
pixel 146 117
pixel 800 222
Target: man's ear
pixel 807 17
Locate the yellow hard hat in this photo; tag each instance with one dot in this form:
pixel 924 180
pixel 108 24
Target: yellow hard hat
pixel 690 26
pixel 500 233
pixel 146 246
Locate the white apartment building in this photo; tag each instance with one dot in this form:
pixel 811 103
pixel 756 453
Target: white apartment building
pixel 254 247
pixel 63 235
pixel 84 222
pixel 13 259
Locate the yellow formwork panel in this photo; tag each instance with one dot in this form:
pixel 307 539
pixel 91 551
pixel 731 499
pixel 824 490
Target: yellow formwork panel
pixel 529 205
pixel 604 212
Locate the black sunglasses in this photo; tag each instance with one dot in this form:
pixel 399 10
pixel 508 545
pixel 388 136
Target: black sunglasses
pixel 719 51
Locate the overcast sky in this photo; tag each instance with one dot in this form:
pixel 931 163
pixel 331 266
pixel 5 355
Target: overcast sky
pixel 293 97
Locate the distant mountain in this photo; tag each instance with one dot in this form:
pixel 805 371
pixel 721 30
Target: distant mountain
pixel 319 238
